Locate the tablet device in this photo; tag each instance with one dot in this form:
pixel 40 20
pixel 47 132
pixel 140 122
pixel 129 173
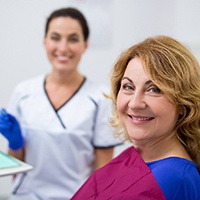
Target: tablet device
pixel 10 165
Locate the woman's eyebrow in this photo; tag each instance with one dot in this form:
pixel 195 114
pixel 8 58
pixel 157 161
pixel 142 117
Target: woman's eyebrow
pixel 73 34
pixel 127 79
pixel 70 35
pixel 54 33
pixel 148 82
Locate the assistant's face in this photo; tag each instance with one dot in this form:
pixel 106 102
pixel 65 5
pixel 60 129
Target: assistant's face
pixel 64 43
pixel 146 113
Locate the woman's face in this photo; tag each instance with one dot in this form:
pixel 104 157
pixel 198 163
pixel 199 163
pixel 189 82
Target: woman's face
pixel 146 113
pixel 64 43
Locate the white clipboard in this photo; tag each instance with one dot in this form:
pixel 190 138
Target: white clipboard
pixel 10 165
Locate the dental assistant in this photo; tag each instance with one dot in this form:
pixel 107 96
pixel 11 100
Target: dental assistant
pixel 59 122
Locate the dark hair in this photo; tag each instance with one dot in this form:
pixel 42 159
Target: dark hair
pixel 69 12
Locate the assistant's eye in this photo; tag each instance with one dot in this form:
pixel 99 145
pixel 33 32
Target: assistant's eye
pixel 73 39
pixel 55 38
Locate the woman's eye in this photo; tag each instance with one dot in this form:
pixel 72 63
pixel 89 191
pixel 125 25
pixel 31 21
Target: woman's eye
pixel 127 87
pixel 55 38
pixel 155 89
pixel 73 39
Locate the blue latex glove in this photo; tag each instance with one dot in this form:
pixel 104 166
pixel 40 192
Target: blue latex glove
pixel 10 129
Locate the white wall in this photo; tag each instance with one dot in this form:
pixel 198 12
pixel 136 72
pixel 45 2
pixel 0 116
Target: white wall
pixel 122 23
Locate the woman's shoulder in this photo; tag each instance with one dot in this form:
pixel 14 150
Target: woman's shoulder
pixel 175 163
pixel 95 86
pixel 31 81
pixel 29 84
pixel 174 168
pixel 28 87
pixel 96 91
pixel 176 176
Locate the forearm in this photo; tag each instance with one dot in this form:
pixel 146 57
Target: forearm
pixel 19 154
pixel 103 156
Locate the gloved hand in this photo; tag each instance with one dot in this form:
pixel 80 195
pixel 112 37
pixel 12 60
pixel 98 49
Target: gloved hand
pixel 10 129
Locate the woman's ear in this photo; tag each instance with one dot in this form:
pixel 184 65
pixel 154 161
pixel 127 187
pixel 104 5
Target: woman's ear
pixel 44 41
pixel 181 110
pixel 86 44
pixel 181 113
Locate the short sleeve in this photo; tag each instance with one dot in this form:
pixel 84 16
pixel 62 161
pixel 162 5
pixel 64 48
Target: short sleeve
pixel 189 187
pixel 103 131
pixel 177 177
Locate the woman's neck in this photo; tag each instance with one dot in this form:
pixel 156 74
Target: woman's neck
pixel 161 149
pixel 73 79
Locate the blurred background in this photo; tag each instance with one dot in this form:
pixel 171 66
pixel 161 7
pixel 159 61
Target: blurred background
pixel 115 25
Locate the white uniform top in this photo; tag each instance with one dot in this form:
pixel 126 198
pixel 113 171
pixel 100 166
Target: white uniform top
pixel 60 144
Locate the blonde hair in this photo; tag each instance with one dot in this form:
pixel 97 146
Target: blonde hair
pixel 174 69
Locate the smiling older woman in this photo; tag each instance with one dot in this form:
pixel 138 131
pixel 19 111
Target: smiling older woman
pixel 156 106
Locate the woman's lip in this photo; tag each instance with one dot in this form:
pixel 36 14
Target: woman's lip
pixel 140 118
pixel 63 58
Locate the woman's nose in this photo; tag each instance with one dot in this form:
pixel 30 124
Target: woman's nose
pixel 137 101
pixel 63 46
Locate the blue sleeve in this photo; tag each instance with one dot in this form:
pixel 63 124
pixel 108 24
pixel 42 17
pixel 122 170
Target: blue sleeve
pixel 189 187
pixel 177 182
